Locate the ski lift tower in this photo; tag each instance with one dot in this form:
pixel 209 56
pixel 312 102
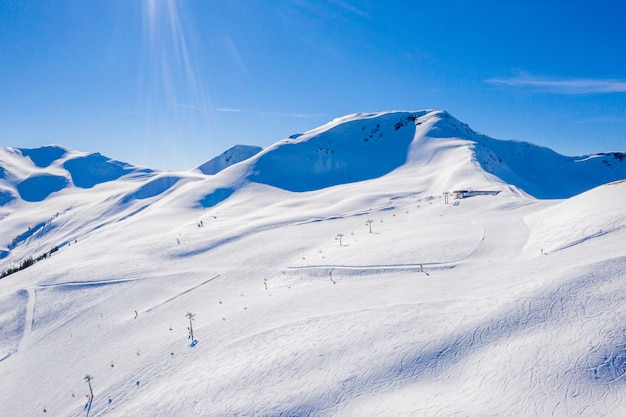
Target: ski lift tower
pixel 88 378
pixel 193 341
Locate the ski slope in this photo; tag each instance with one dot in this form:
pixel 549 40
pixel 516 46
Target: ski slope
pixel 488 305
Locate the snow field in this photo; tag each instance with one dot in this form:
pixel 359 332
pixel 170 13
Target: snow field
pixel 473 334
pixel 491 305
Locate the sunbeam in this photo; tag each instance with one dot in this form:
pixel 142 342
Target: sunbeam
pixel 176 101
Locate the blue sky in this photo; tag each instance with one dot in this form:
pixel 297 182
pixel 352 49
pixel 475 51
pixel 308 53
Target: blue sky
pixel 172 83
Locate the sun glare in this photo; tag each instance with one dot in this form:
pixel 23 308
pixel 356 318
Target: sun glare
pixel 172 88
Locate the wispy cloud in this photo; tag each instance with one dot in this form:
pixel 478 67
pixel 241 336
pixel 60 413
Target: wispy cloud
pixel 574 86
pixel 270 113
pixel 353 9
pixel 603 120
pixel 229 110
pixel 187 106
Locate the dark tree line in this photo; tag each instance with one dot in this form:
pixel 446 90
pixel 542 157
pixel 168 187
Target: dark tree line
pixel 28 262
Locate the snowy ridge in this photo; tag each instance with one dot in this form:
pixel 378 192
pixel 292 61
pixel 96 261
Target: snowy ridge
pixel 593 214
pixel 327 274
pixel 230 157
pixel 366 146
pixel 35 174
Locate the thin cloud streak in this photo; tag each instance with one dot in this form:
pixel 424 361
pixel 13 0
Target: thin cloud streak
pixel 563 86
pixel 188 106
pixel 603 120
pixel 269 113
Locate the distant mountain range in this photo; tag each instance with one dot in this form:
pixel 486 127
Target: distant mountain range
pixel 349 149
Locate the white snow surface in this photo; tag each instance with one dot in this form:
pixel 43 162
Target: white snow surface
pixel 230 157
pixel 494 305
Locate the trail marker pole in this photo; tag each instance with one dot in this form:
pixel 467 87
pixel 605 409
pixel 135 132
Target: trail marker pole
pixel 339 236
pixel 369 223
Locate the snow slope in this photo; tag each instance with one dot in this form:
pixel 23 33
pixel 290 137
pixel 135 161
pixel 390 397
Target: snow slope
pixel 490 305
pixel 230 157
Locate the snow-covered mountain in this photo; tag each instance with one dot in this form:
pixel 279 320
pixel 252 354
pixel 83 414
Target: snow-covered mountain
pixel 34 174
pixel 329 274
pixel 230 157
pixel 349 149
pixel 365 146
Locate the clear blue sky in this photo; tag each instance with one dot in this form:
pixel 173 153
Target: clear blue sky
pixel 172 83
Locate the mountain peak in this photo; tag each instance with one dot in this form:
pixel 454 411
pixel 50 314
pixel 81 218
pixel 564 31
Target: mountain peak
pixel 364 146
pixel 353 148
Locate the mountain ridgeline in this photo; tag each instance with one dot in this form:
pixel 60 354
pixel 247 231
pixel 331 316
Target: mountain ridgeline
pixel 350 149
pixel 424 150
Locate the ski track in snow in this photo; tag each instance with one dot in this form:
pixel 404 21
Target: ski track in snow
pixel 409 267
pixel 438 357
pixel 182 293
pixel 13 321
pixel 451 356
pixel 567 302
pixel 456 354
pixel 273 226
